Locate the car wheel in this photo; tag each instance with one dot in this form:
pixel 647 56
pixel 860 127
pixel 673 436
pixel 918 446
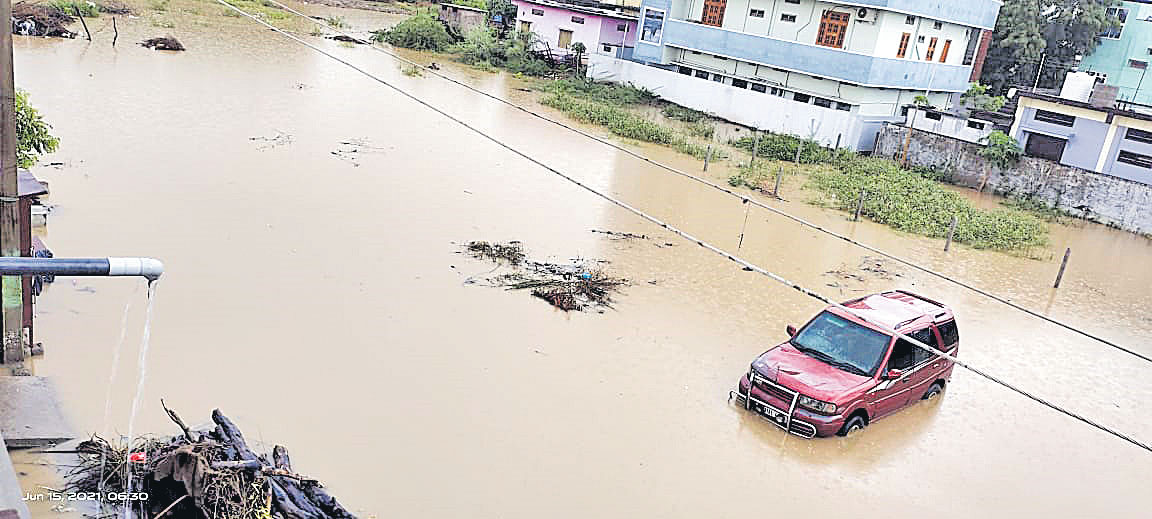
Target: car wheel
pixel 933 391
pixel 853 425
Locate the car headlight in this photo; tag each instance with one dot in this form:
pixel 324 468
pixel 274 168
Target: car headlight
pixel 817 405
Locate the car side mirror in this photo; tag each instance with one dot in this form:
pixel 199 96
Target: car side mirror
pixel 893 374
pixel 791 330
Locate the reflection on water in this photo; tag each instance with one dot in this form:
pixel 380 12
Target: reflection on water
pixel 321 304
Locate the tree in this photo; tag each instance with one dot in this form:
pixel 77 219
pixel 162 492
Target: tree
pixel 578 49
pixel 1055 31
pixel 977 97
pixel 999 150
pixel 32 137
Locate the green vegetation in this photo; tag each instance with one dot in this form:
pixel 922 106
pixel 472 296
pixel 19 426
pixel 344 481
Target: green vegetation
pixel 704 130
pixel 483 48
pixel 760 176
pixel 610 93
pixel 162 5
pixel 978 97
pixel 778 146
pixel 1001 150
pixel 86 9
pixel 623 122
pixel 336 22
pixel 680 113
pixel 413 71
pixel 911 203
pixel 32 137
pixel 421 31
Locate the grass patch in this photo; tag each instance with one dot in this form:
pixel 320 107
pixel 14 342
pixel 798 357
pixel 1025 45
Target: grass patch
pixel 908 202
pixel 609 93
pixel 702 129
pixel 336 22
pixel 777 146
pixel 681 113
pixel 760 176
pixel 87 10
pixel 413 71
pixel 1039 209
pixel 624 123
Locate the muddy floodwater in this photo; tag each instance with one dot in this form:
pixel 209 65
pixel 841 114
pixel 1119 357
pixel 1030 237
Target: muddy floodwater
pixel 309 219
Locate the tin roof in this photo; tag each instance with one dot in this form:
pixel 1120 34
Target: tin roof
pixel 29 185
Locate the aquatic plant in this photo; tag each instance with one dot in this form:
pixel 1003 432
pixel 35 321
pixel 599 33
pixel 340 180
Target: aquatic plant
pixel 86 9
pixel 778 146
pixel 625 123
pixel 911 203
pixel 680 113
pixel 611 93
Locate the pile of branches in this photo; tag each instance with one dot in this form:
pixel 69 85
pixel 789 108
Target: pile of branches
pixel 203 475
pixel 41 20
pixel 165 43
pixel 577 286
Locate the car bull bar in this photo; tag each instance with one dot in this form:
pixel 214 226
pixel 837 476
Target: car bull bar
pixel 783 419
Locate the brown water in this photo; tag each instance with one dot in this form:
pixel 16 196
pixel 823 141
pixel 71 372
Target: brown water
pixel 319 301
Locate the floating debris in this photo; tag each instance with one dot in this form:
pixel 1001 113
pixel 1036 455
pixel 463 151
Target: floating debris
pixel 347 39
pixel 622 235
pixel 350 150
pixel 41 20
pixel 578 286
pixel 200 474
pixel 280 139
pixel 165 43
pixel 870 267
pixel 511 252
pixel 114 7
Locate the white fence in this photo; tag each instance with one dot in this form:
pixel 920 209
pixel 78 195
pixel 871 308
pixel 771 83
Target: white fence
pixel 750 108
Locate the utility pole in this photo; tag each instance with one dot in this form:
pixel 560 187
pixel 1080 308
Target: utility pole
pixel 1039 69
pixel 11 299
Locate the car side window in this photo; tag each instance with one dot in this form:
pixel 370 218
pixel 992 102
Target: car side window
pixel 903 355
pixel 949 334
pixel 927 337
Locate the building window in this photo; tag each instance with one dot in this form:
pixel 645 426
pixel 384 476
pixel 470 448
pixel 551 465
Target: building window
pixel 1045 116
pixel 1138 64
pixel 1135 159
pixel 797 2
pixel 525 26
pixel 756 13
pixel 937 26
pixel 685 70
pixel 822 103
pixel 717 78
pixel 714 12
pixel 701 74
pixel 919 39
pixel 537 12
pixel 791 18
pixel 801 98
pixel 739 83
pixel 1120 14
pixel 931 49
pixel 976 125
pixel 1133 134
pixel 565 39
pixel 910 20
pixel 577 19
pixel 944 51
pixel 1045 147
pixel 621 27
pixel 833 26
pixel 903 50
pixel 652 30
pixel 757 87
pixel 933 116
pixel 844 107
pixel 607 48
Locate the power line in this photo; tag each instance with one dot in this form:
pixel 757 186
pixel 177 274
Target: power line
pixel 748 266
pixel 743 198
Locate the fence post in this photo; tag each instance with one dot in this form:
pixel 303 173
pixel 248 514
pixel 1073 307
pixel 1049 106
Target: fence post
pixel 707 157
pixel 859 206
pixel 951 232
pixel 755 149
pixel 1063 265
pixel 779 175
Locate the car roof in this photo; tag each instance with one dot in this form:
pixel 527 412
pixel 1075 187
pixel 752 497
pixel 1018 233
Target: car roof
pixel 899 310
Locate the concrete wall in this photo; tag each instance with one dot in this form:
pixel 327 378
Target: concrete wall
pixel 462 18
pixel 755 109
pixel 1109 200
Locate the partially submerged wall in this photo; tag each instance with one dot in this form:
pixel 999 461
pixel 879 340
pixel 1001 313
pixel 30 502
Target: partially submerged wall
pixel 1102 198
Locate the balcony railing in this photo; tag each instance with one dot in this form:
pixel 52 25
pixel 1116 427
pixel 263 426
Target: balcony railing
pixel 816 60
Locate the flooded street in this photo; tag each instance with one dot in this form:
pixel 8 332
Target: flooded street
pixel 314 292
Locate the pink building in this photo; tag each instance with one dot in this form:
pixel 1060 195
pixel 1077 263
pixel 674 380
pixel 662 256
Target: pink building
pixel 558 25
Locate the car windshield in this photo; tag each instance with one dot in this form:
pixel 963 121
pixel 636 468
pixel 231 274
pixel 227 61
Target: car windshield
pixel 842 343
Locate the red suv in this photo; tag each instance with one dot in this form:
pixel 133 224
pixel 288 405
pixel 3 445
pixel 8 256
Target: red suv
pixel 841 371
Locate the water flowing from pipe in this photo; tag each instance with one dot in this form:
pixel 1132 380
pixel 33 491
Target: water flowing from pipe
pixel 142 364
pixel 112 376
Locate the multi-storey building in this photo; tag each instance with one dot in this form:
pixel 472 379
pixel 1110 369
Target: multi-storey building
pixel 1121 59
pixel 833 71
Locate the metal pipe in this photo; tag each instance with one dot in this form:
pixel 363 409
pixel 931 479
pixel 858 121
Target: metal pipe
pixel 145 267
